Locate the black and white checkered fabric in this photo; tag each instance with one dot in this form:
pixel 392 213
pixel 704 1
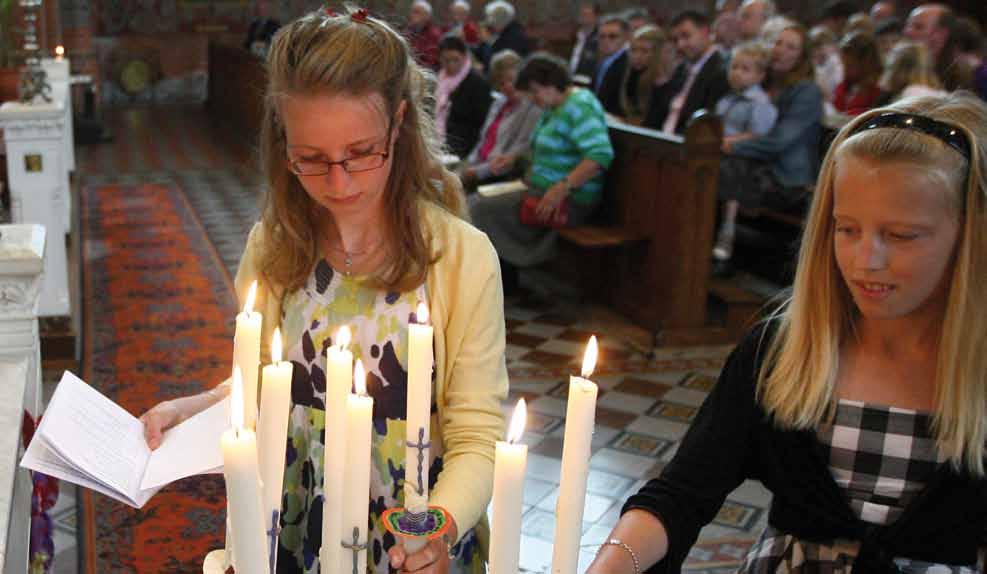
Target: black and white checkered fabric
pixel 881 457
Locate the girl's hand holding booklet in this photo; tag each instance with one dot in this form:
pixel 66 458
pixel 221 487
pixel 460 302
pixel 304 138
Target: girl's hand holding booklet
pixel 87 439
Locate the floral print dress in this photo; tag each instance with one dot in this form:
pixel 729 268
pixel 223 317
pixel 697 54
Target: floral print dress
pixel 379 324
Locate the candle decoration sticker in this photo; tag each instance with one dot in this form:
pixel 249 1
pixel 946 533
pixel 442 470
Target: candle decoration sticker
pixel 508 496
pixel 576 451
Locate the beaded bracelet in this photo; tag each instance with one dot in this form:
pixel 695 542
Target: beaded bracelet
pixel 625 546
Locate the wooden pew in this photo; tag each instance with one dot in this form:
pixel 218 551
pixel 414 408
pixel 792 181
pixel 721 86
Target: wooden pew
pixel 654 235
pixel 237 80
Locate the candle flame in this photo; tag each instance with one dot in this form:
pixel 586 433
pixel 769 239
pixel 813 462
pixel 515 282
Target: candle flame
pixel 359 379
pixel 518 421
pixel 421 314
pixel 343 337
pixel 589 358
pixel 236 400
pixel 59 50
pixel 276 346
pixel 251 296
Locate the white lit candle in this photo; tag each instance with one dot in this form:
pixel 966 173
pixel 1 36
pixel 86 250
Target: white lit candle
pixel 508 496
pixel 59 53
pixel 243 489
pixel 272 427
pixel 246 355
pixel 576 450
pixel 339 380
pixel 419 412
pixel 356 512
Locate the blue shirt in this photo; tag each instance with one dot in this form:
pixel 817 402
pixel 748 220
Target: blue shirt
pixel 750 111
pixel 601 72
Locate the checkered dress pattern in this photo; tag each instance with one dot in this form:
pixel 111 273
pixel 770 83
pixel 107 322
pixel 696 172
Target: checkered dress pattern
pixel 881 457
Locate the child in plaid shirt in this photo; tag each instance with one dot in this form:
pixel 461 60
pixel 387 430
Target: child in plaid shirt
pixel 860 402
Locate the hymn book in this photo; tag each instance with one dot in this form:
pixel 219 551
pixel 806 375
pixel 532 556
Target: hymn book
pixel 87 439
pixel 495 189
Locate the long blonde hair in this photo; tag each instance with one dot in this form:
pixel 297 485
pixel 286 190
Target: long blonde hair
pixel 355 55
pixel 803 357
pixel 646 79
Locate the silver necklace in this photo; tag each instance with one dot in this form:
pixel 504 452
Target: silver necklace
pixel 348 256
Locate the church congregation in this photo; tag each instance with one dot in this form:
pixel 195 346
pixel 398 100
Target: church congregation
pixel 721 262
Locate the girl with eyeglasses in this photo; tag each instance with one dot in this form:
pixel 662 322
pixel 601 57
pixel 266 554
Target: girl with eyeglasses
pixel 360 224
pixel 860 402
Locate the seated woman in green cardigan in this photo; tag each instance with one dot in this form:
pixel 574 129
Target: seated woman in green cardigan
pixel 361 223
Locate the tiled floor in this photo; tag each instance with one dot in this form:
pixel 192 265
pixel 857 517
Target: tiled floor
pixel 644 406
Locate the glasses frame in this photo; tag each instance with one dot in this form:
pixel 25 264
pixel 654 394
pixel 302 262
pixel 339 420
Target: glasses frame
pixel 950 135
pixel 327 164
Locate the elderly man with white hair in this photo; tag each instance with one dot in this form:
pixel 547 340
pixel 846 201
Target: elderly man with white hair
pixel 460 24
pixel 423 34
pixel 505 31
pixel 753 14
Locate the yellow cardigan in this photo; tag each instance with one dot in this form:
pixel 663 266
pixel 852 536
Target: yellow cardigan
pixel 466 306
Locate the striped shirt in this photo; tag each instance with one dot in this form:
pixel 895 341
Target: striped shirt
pixel 565 136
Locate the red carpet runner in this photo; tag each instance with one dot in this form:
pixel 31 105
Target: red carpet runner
pixel 158 309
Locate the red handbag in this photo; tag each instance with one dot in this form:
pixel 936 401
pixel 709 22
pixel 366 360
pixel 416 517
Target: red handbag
pixel 529 213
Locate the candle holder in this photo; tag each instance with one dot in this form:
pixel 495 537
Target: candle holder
pixel 417 529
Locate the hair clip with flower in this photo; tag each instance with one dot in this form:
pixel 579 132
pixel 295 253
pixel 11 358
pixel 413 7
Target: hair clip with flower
pixel 360 15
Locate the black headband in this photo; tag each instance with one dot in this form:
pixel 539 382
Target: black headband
pixel 949 135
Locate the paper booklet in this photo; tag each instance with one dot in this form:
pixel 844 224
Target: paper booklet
pixel 87 439
pixel 495 189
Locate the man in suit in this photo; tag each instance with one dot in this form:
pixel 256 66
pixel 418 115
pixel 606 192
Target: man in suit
pixel 612 67
pixel 583 59
pixel 697 83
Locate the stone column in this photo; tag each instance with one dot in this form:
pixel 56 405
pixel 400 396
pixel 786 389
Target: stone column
pixel 57 70
pixel 22 255
pixel 21 263
pixel 38 188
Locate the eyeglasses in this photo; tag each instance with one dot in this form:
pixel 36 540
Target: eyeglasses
pixel 611 36
pixel 946 133
pixel 355 164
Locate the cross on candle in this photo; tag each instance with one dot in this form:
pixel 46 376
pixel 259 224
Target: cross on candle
pixel 421 445
pixel 272 538
pixel 355 548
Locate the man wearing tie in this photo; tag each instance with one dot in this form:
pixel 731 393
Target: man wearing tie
pixel 612 57
pixel 697 83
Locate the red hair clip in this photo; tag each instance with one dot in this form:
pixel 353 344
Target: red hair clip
pixel 328 12
pixel 360 15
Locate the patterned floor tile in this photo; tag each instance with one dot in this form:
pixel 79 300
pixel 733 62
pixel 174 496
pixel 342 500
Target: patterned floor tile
pixel 542 423
pixel 685 396
pixel 642 387
pixel 640 444
pixel 550 446
pixel 548 405
pixel 607 484
pixel 524 340
pixel 622 463
pixel 668 430
pixel 612 418
pixel 737 515
pixel 683 413
pixel 625 402
pixel 543 358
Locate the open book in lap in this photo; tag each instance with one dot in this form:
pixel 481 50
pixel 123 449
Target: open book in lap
pixel 87 439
